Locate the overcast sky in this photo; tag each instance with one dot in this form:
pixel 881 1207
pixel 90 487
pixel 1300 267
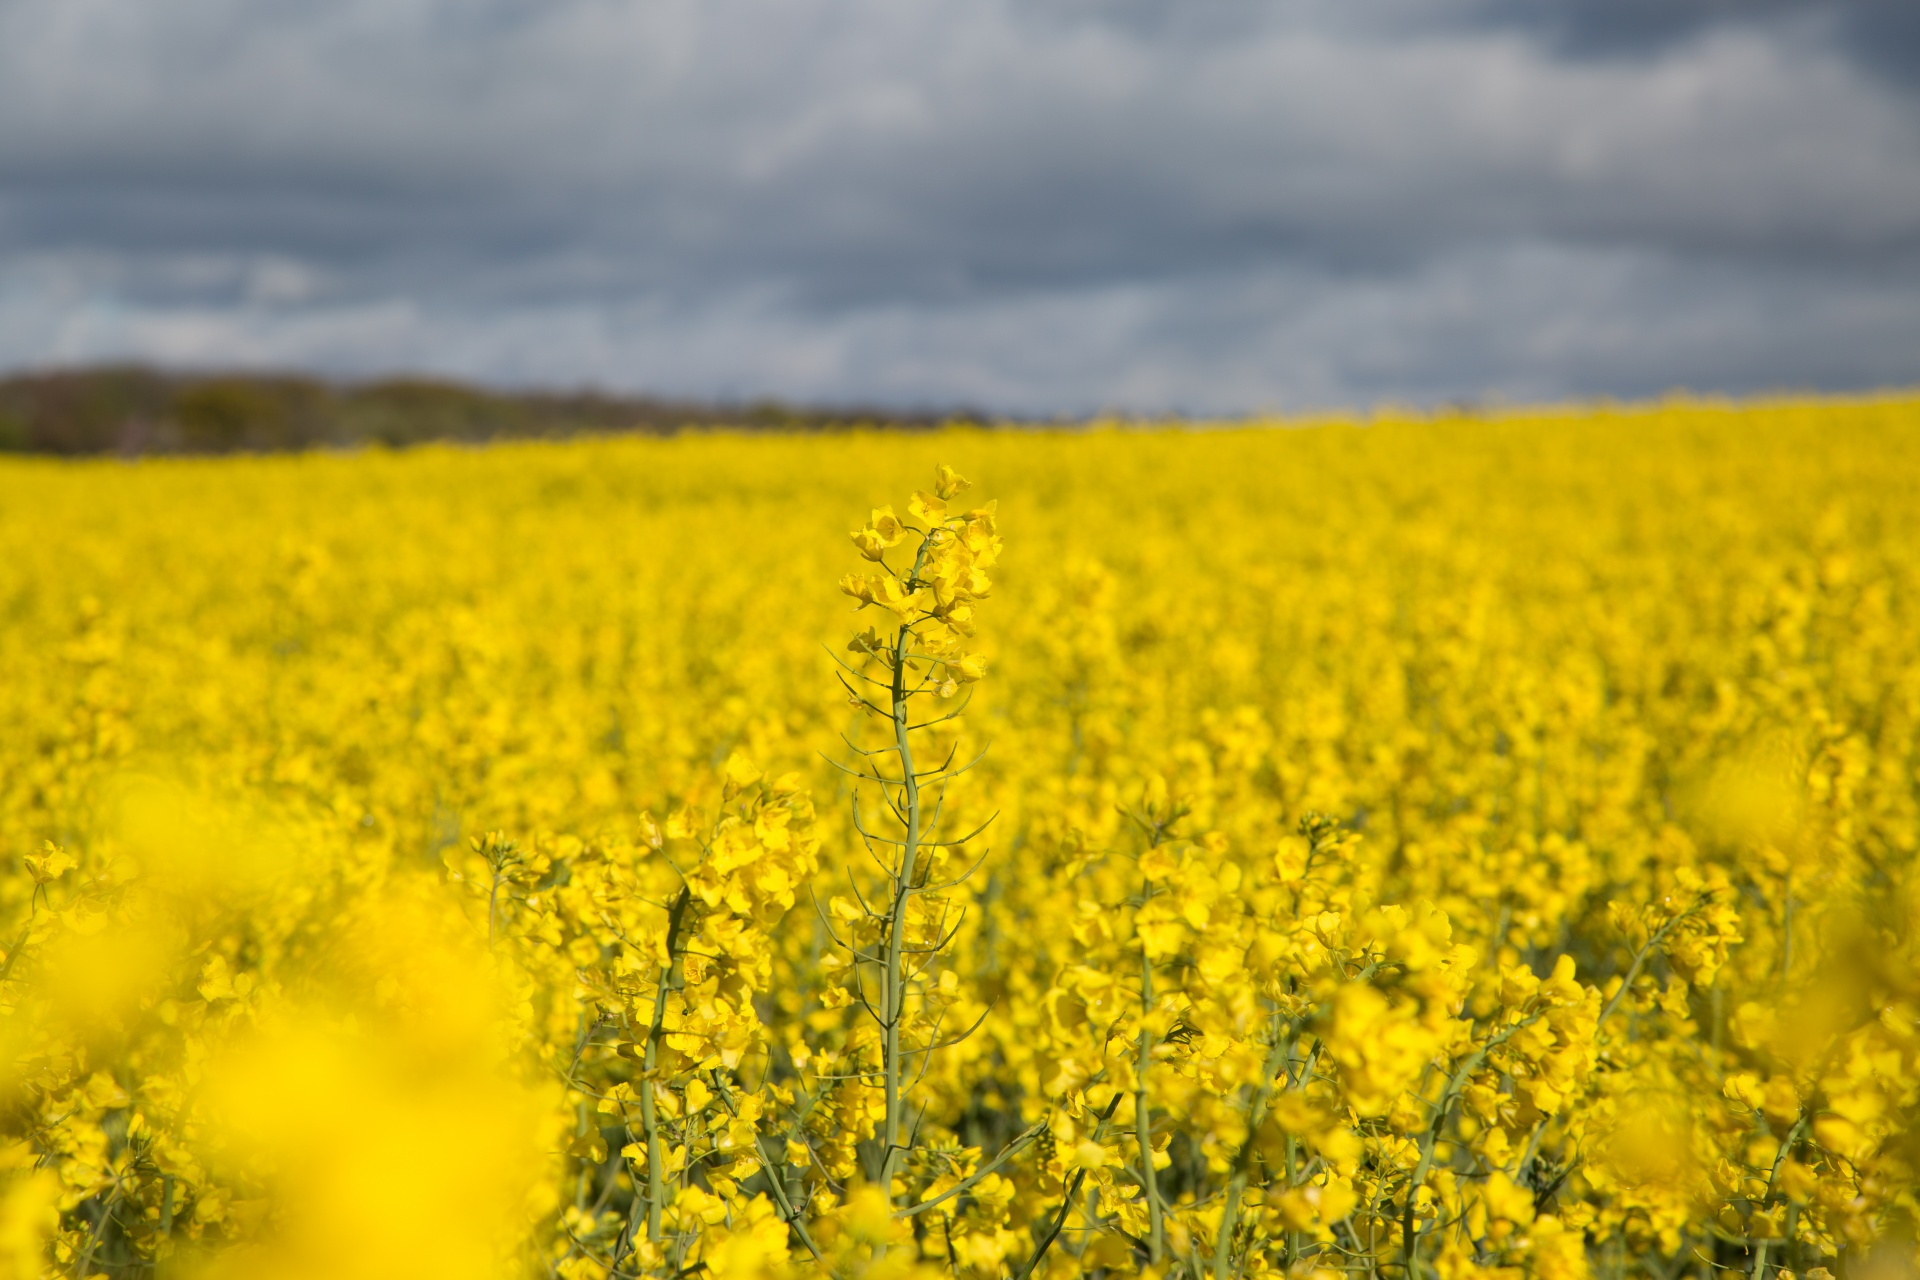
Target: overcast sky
pixel 1020 205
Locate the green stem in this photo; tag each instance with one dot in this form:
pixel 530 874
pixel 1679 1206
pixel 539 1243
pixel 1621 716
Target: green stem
pixel 1640 958
pixel 893 994
pixel 972 1180
pixel 1409 1240
pixel 1279 1052
pixel 776 1172
pixel 1066 1202
pixel 1773 1177
pixel 1143 1118
pixel 656 1164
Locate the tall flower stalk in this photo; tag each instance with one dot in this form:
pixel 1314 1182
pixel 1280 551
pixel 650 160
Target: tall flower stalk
pixel 917 679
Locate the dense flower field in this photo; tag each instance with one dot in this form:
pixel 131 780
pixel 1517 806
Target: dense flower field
pixel 1418 850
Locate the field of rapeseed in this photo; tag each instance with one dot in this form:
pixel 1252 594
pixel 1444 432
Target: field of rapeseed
pixel 1418 850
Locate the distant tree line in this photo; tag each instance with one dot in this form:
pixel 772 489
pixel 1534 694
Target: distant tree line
pixel 130 409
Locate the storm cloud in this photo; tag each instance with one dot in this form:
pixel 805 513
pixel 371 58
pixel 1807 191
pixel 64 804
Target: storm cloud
pixel 1034 206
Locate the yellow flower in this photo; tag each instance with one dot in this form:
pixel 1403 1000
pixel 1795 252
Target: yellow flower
pixel 739 774
pixel 948 482
pixel 49 864
pixel 927 508
pixel 883 531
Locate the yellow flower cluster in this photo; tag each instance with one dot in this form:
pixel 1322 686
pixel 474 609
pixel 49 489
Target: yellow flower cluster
pixel 1418 850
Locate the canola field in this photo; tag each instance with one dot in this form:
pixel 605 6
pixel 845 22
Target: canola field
pixel 1412 850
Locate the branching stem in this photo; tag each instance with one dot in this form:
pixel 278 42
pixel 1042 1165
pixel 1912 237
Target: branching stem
pixel 893 993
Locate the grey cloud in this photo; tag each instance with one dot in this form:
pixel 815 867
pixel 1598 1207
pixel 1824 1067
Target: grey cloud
pixel 1028 206
pixel 1881 35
